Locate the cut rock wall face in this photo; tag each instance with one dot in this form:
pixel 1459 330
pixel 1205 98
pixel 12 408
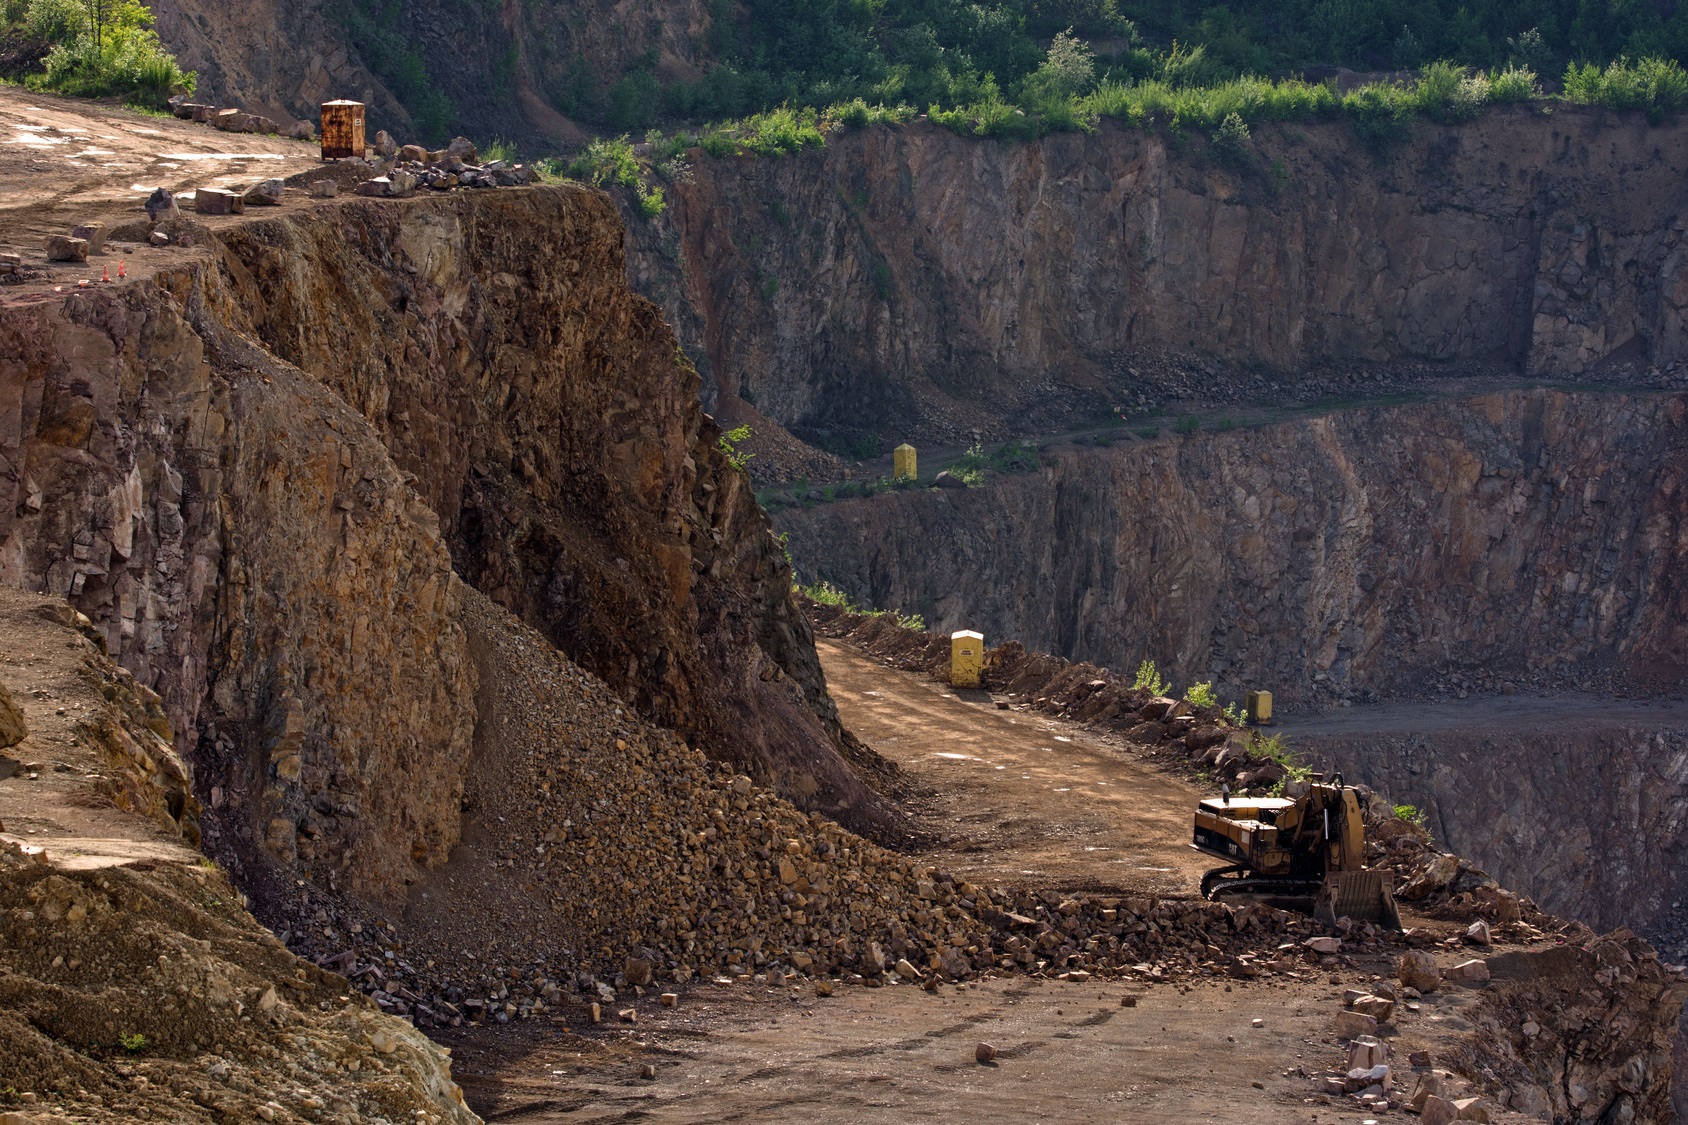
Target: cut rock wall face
pixel 260 476
pixel 1355 555
pixel 908 265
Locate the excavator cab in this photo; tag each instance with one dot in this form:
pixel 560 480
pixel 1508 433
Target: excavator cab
pixel 1304 851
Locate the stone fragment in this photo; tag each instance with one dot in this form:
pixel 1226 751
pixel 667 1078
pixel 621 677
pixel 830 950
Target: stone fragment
pixel 1352 1025
pixel 628 1015
pixel 647 1071
pixel 597 1012
pixel 1417 969
pixel 1366 1052
pixel 1471 1109
pixel 413 154
pixel 906 970
pixel 670 999
pixel 984 1053
pixel 94 233
pixel 1419 1058
pixel 1437 1110
pixel 232 121
pixel 267 1000
pixel 385 146
pixel 63 248
pixel 383 1041
pixel 161 205
pixel 302 131
pixel 1433 1084
pixel 638 971
pixel 1365 1079
pixel 462 149
pixel 158 238
pixel 1471 973
pixel 217 201
pixel 1323 944
pixel 1441 870
pixel 256 123
pixel 13 729
pixel 187 111
pixel 265 193
pixel 324 189
pixel 1478 933
pixel 379 188
pixel 946 479
pixel 1375 1006
pixel 823 988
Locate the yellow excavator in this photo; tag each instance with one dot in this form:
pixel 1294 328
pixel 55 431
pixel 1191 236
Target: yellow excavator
pixel 1303 851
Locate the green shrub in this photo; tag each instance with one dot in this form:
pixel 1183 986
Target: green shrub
pixel 133 1042
pixel 1514 84
pixel 1230 140
pixel 1148 679
pixel 825 593
pixel 1659 86
pixel 780 131
pixel 1186 424
pixel 969 468
pixel 729 442
pixel 1444 92
pixel 649 199
pixel 607 160
pixel 106 49
pixel 1201 695
pixel 499 149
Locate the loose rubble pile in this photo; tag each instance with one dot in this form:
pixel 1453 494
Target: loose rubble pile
pixel 236 120
pixel 624 857
pixel 148 993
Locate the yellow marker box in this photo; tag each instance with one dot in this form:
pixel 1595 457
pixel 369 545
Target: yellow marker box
pixel 1257 706
pixel 903 463
pixel 967 658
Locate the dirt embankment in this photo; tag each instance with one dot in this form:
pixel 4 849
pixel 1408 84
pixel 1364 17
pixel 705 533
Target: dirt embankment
pixel 134 985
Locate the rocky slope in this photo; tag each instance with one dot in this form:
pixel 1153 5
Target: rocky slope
pixel 910 282
pixel 1389 552
pixel 262 472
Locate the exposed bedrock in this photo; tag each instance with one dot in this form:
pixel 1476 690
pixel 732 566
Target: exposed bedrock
pixel 1531 535
pixel 262 476
pixel 868 283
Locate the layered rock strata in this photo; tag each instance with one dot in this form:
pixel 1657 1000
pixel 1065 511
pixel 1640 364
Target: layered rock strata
pixel 909 281
pixel 1370 553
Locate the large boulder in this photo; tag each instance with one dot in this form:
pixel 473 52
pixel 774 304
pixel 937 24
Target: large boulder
pixel 13 729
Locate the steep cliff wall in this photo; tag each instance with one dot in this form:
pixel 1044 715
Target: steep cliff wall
pixel 907 279
pixel 261 474
pixel 1359 554
pixel 1578 805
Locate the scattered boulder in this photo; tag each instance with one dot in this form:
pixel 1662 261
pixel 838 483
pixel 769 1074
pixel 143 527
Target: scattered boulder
pixel 1324 944
pixel 95 233
pixel 1473 973
pixel 217 201
pixel 947 479
pixel 187 110
pixel 984 1053
pixel 232 121
pixel 1478 933
pixel 324 189
pixel 161 205
pixel 1367 1051
pixel 415 154
pixel 158 238
pixel 13 729
pixel 462 149
pixel 205 114
pixel 1417 969
pixel 64 248
pixel 302 131
pixel 1438 873
pixel 1376 1007
pixel 1352 1025
pixel 265 193
pixel 638 971
pixel 385 147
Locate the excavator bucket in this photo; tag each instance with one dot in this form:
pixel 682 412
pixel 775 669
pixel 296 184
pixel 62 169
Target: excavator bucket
pixel 1365 896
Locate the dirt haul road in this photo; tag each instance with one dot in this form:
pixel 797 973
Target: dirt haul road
pixel 1020 798
pixel 1064 810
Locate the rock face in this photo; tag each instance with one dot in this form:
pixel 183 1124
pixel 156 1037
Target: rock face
pixel 1583 815
pixel 257 473
pixel 1364 552
pixel 933 281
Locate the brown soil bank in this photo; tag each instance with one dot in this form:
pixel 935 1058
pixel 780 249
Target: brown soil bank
pixel 1397 552
pixel 915 282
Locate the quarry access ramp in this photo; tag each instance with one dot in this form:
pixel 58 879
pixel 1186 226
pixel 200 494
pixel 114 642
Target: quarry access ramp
pixel 1016 796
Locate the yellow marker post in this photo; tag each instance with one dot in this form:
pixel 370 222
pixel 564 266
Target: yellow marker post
pixel 967 658
pixel 903 463
pixel 1258 707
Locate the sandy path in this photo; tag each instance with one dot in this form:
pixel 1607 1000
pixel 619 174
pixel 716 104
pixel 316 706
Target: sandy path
pixel 1023 798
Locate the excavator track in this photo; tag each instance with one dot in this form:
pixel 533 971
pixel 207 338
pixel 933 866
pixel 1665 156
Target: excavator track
pixel 1233 885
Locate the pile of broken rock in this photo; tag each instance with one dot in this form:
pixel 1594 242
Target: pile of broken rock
pixel 406 168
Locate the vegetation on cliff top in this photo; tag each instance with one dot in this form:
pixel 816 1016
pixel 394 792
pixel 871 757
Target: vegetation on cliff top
pixel 90 48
